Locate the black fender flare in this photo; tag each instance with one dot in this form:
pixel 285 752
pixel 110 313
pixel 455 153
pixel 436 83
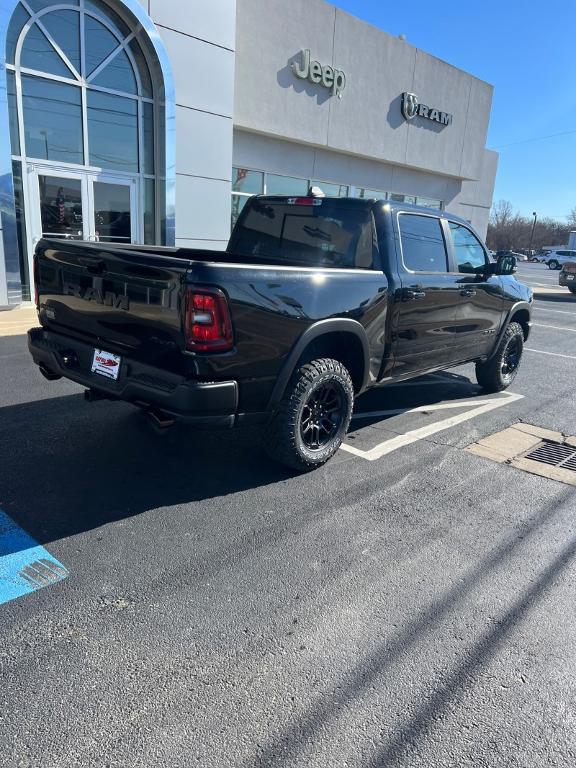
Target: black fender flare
pixel 315 331
pixel 513 309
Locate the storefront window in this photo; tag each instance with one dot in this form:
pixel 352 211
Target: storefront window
pixel 285 185
pixel 248 182
pixel 64 28
pixel 113 131
pixel 21 230
pixel 331 190
pixel 80 93
pixel 52 120
pixel 375 193
pixel 428 202
pixel 13 113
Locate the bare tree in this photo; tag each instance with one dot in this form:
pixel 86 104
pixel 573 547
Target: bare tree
pixel 509 230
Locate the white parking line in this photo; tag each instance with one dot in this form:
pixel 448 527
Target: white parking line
pixel 557 311
pixel 552 354
pixel 425 408
pixel 556 327
pixel 394 443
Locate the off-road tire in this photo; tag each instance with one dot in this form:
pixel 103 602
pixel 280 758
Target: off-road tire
pixel 284 440
pixel 553 264
pixel 494 375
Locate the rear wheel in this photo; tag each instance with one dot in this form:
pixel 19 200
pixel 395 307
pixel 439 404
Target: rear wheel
pixel 553 264
pixel 500 370
pixel 313 416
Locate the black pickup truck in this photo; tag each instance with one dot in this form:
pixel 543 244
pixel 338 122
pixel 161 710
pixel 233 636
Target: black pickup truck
pixel 314 301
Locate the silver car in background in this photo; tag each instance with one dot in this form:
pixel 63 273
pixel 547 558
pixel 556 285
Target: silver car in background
pixel 556 259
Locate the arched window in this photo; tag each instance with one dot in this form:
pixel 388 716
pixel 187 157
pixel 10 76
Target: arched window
pixel 84 124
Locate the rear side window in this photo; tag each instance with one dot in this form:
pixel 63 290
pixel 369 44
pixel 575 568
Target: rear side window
pixel 423 246
pixel 470 255
pixel 311 233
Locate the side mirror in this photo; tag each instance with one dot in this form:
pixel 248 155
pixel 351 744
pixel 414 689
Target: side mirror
pixel 506 265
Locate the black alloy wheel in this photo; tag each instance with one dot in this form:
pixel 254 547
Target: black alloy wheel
pixel 512 356
pixel 500 369
pixel 313 415
pixel 322 415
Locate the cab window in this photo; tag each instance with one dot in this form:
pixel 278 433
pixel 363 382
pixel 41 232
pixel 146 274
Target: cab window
pixel 307 232
pixel 423 246
pixel 469 251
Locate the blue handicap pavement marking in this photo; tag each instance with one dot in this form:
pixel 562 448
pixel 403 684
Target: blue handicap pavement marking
pixel 25 566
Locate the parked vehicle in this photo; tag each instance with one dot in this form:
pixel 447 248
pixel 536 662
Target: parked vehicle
pixel 567 276
pixel 555 259
pixel 314 301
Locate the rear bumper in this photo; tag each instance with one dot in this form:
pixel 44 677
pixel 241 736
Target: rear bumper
pixel 211 404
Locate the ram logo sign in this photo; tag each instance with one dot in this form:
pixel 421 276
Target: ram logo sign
pixel 412 108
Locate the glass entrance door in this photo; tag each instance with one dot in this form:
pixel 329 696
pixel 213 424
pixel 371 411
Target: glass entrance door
pixel 60 208
pixel 113 214
pixel 75 205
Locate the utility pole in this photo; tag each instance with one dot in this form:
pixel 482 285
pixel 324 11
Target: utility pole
pixel 532 233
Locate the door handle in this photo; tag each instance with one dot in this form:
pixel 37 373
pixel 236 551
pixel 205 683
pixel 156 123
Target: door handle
pixel 468 292
pixel 411 294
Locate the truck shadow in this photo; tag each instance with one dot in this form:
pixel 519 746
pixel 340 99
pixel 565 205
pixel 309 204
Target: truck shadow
pixel 384 403
pixel 69 467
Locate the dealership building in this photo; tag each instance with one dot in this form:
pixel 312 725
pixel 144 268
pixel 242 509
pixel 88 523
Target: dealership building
pixel 153 121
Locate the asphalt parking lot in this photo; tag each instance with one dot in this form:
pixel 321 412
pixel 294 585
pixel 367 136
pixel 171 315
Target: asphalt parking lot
pixel 409 604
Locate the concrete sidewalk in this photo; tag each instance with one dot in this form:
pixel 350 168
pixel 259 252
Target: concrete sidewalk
pixel 16 322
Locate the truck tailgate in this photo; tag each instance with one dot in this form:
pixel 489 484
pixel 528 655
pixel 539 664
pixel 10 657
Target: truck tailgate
pixel 122 299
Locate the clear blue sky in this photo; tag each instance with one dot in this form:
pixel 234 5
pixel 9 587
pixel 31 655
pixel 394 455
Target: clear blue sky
pixel 527 51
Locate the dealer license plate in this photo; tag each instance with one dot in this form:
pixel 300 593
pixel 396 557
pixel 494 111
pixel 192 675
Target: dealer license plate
pixel 106 364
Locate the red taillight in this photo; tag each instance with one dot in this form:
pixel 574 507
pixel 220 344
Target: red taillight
pixel 208 326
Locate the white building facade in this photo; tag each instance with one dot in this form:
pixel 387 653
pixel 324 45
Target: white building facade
pixel 153 122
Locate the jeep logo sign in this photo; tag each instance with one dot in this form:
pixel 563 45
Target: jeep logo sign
pixel 331 78
pixel 411 108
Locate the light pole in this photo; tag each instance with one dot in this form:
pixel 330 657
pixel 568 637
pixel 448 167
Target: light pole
pixel 532 234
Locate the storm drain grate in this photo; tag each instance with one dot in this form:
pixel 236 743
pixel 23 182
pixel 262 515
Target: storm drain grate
pixel 555 455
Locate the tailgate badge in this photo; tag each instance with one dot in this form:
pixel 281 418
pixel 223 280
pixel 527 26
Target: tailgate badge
pixel 107 299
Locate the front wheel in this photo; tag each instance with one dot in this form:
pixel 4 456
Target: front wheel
pixel 313 416
pixel 500 370
pixel 553 264
pixel 572 288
